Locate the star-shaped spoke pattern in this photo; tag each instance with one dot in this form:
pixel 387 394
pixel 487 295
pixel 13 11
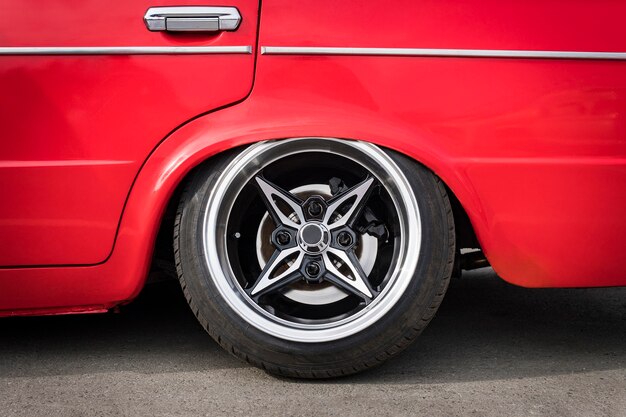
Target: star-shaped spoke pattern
pixel 340 265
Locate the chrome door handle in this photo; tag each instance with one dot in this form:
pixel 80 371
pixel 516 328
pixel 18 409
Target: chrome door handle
pixel 192 19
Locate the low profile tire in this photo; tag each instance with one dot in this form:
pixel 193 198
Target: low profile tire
pixel 314 257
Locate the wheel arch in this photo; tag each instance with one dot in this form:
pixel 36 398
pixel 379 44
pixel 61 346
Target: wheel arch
pixel 158 183
pixel 163 250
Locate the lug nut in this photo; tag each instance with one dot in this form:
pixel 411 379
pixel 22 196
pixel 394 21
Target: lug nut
pixel 315 208
pixel 283 237
pixel 312 269
pixel 344 239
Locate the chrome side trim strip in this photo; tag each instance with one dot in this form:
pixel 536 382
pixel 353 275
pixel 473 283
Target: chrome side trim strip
pixel 425 52
pixel 124 50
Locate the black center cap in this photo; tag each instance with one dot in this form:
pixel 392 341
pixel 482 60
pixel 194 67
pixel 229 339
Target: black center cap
pixel 311 234
pixel 313 237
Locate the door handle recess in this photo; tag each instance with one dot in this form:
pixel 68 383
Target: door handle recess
pixel 192 19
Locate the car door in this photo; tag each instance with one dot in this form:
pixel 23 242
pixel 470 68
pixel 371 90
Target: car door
pixel 88 90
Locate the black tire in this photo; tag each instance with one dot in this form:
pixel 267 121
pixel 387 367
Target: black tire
pixel 384 338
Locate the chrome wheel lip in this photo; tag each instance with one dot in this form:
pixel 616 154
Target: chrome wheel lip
pixel 247 164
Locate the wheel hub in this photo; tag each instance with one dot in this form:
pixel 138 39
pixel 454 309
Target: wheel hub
pixel 313 237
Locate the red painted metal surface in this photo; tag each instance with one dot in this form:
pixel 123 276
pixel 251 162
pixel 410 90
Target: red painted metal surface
pixel 535 150
pixel 76 129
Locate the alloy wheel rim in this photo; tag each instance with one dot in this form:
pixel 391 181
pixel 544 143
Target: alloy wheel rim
pixel 311 245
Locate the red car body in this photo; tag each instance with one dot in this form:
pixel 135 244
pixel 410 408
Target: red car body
pixel 95 144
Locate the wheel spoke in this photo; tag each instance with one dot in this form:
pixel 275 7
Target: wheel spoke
pixel 357 284
pixel 270 192
pixel 266 282
pixel 359 193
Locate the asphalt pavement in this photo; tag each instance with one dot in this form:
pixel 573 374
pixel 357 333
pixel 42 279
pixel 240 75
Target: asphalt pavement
pixel 493 349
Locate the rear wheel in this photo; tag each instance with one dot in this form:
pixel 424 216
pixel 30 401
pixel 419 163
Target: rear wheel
pixel 314 257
